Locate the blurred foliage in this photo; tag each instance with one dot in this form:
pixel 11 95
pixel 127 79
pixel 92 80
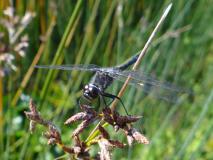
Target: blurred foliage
pixel 107 33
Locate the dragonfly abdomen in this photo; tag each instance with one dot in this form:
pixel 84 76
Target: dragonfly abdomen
pixel 128 63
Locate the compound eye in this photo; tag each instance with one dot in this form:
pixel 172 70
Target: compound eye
pixel 91 89
pixel 86 87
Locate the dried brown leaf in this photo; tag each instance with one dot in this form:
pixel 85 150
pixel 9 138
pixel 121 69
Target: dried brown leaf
pixel 76 117
pixel 133 134
pixel 81 127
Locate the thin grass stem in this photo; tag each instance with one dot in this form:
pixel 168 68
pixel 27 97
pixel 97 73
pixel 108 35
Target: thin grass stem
pixel 143 52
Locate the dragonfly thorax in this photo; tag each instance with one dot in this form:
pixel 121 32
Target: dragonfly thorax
pixel 91 91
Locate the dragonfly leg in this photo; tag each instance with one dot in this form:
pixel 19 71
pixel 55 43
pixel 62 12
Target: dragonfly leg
pixel 105 103
pixel 113 97
pixel 80 104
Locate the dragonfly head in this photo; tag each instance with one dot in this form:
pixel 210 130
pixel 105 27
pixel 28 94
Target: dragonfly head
pixel 91 91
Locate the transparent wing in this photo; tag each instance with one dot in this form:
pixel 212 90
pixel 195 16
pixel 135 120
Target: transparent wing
pixel 150 85
pixel 81 67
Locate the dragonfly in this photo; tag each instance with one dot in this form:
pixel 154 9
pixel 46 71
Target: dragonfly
pixel 104 77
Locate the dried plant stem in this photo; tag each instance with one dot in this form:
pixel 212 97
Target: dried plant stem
pixel 143 52
pixel 35 61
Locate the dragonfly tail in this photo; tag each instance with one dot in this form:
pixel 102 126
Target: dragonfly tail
pixel 128 63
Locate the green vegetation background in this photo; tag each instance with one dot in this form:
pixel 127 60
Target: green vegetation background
pixel 107 33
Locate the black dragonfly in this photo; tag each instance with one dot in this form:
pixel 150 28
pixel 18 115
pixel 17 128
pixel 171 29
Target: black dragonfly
pixel 104 77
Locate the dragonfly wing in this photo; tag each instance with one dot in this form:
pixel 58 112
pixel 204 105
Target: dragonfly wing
pixel 150 85
pixel 81 67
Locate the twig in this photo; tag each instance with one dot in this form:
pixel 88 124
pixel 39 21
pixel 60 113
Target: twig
pixel 143 52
